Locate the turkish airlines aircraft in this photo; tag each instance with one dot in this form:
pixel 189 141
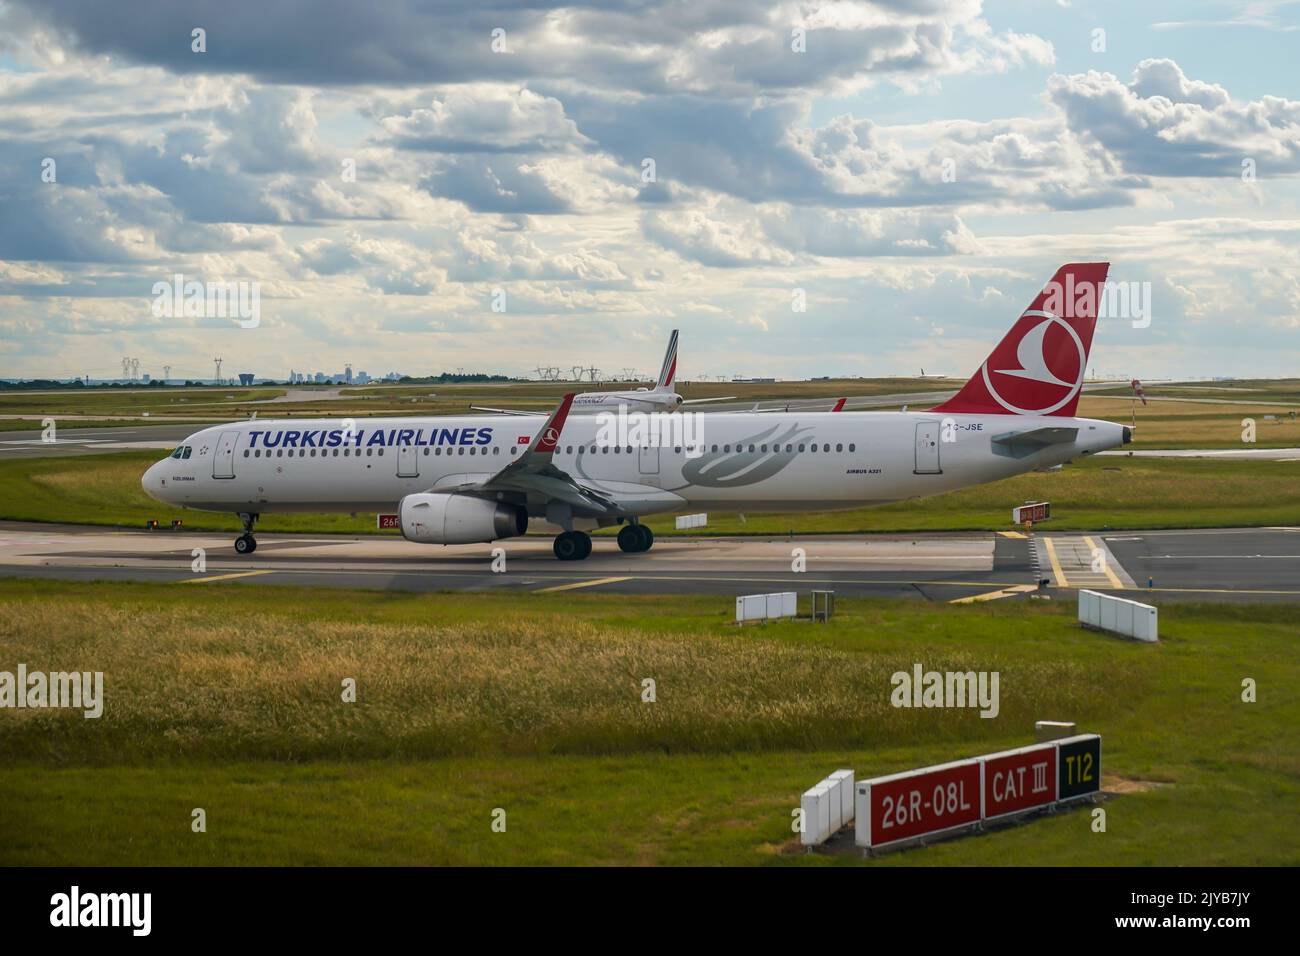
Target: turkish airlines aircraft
pixel 480 479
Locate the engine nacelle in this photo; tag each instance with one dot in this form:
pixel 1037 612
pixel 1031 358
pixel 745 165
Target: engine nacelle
pixel 458 519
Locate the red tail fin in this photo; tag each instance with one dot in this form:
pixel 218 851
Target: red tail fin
pixel 1038 368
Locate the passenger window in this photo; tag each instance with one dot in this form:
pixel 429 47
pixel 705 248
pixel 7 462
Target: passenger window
pixel 381 453
pixel 426 453
pixel 715 449
pixel 852 447
pixel 245 452
pixel 801 447
pixel 839 447
pixel 513 450
pixel 726 448
pixel 762 448
pixel 751 447
pixel 826 447
pixel 460 451
pixel 496 451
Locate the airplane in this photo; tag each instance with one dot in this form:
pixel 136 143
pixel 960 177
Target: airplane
pixel 466 480
pixel 662 398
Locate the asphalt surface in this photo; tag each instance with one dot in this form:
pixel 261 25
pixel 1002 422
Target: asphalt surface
pixel 91 441
pixel 1239 565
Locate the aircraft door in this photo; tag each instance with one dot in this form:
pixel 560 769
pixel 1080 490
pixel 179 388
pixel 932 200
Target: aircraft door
pixel 223 462
pixel 408 461
pixel 648 459
pixel 927 449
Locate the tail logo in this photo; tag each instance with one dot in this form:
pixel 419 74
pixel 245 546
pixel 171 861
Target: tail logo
pixel 1032 357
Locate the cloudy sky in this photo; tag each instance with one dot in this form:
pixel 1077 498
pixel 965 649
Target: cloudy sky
pixel 918 169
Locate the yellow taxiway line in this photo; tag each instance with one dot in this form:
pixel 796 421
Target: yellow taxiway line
pixel 1115 582
pixel 1061 582
pixel 581 584
pixel 994 595
pixel 1013 534
pixel 203 579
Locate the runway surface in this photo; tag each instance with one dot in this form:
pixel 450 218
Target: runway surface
pixel 92 441
pixel 1242 565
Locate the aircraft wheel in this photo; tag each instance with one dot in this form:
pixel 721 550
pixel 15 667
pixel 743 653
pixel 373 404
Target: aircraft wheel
pixel 647 538
pixel 245 544
pixel 629 538
pixel 572 546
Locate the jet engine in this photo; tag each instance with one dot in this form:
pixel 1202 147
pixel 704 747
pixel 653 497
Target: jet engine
pixel 458 519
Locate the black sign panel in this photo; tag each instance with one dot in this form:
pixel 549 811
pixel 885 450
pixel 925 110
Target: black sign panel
pixel 1078 766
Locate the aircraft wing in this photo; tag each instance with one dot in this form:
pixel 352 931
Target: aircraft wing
pixel 534 473
pixel 500 411
pixel 801 405
pixel 701 401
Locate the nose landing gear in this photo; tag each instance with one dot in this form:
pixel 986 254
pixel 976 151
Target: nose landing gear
pixel 246 543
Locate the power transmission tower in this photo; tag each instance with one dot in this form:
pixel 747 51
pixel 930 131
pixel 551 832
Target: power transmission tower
pixel 135 370
pixel 126 367
pixel 167 372
pixel 218 364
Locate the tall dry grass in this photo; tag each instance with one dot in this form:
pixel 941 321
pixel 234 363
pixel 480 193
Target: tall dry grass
pixel 191 681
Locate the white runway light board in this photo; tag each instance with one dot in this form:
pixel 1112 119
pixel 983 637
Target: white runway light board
pixel 760 607
pixel 1119 616
pixel 827 807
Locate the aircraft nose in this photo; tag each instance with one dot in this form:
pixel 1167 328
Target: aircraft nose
pixel 151 482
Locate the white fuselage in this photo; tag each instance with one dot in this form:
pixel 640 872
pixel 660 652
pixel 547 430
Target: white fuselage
pixel 810 461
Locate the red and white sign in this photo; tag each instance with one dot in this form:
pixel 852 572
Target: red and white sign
pixel 388 521
pixel 952 796
pixel 523 440
pixel 919 802
pixel 1017 780
pixel 1038 511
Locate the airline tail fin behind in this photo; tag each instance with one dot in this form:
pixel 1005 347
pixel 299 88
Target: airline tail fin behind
pixel 1038 368
pixel 668 373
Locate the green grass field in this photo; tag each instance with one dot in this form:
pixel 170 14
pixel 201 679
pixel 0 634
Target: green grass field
pixel 1094 494
pixel 229 699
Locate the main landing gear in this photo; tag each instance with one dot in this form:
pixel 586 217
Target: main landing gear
pixel 246 543
pixel 572 545
pixel 576 545
pixel 635 538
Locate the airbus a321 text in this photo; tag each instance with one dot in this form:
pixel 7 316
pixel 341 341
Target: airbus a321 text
pixel 479 479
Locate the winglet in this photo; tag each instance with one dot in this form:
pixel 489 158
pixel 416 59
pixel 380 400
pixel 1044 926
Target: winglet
pixel 546 440
pixel 839 406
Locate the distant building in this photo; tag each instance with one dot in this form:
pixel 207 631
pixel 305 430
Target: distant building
pixel 246 378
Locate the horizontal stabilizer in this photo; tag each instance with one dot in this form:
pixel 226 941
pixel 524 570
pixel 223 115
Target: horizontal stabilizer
pixel 1038 436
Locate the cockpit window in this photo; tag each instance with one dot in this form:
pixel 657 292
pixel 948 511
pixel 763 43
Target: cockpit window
pixel 182 452
pixel 188 449
pixel 177 452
